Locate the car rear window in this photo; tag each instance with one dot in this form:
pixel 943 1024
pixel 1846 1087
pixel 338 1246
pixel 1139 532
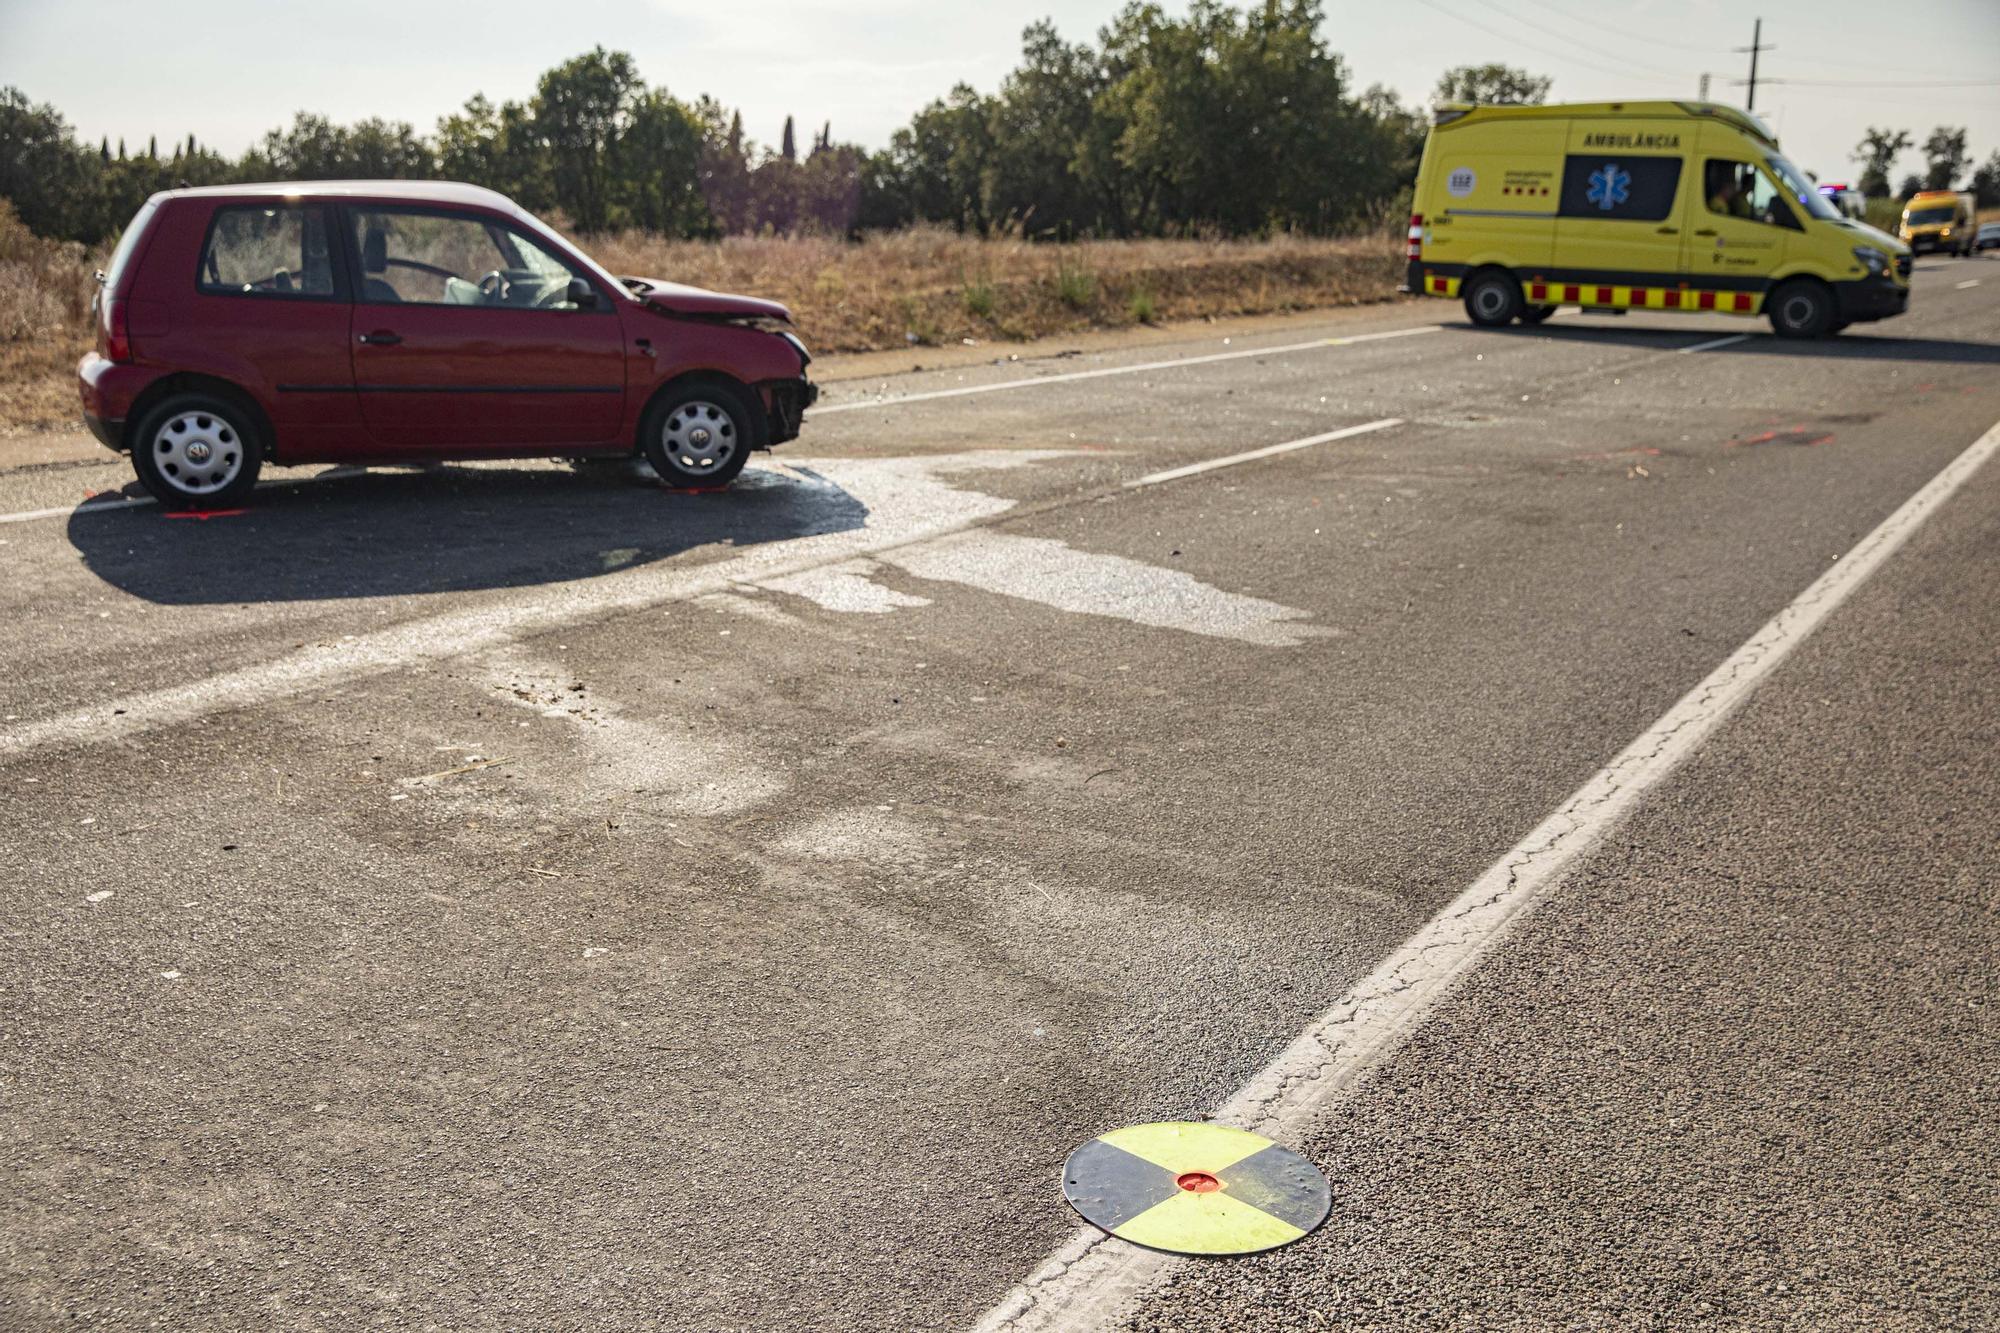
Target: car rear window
pixel 127 243
pixel 279 251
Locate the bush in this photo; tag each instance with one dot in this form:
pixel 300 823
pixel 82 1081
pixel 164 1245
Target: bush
pixel 980 299
pixel 1076 286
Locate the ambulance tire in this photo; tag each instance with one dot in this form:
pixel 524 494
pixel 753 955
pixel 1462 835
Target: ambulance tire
pixel 1535 314
pixel 1493 298
pixel 1802 309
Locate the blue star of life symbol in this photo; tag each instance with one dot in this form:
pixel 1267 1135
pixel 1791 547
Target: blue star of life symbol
pixel 1610 186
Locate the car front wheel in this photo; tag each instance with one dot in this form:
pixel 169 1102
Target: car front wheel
pixel 1801 310
pixel 699 435
pixel 197 451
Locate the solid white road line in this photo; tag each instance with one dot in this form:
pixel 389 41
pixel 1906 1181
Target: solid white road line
pixel 1969 282
pixel 1101 373
pixel 87 507
pixel 1715 343
pixel 1093 1281
pixel 1195 469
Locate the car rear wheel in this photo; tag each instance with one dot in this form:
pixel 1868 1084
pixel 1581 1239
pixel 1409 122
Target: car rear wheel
pixel 1801 310
pixel 1493 298
pixel 698 435
pixel 197 451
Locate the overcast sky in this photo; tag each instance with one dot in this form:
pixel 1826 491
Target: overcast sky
pixel 227 70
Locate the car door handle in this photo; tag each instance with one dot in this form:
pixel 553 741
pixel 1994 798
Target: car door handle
pixel 1706 231
pixel 1668 231
pixel 380 338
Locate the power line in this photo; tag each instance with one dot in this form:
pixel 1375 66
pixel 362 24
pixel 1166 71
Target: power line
pixel 1884 83
pixel 1630 35
pixel 1598 51
pixel 1532 46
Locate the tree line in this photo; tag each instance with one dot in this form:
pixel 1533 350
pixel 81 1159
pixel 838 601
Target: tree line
pixel 1946 159
pixel 1223 121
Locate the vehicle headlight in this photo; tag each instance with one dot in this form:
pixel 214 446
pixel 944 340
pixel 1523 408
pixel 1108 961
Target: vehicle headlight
pixel 1871 259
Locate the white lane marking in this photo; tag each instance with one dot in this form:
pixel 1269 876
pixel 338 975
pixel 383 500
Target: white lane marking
pixel 87 507
pixel 1074 375
pixel 1714 343
pixel 1195 469
pixel 1093 1281
pixel 1969 282
pixel 1053 573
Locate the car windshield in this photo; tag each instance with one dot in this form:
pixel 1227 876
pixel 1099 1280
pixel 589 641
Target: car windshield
pixel 1925 217
pixel 1800 188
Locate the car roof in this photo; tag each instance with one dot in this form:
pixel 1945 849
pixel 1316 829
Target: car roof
pixel 1458 112
pixel 420 192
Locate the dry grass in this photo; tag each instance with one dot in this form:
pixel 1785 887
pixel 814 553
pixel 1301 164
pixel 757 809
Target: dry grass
pixel 44 324
pixel 925 286
pixel 931 285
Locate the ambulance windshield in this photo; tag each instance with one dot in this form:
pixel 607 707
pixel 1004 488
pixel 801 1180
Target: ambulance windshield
pixel 1799 187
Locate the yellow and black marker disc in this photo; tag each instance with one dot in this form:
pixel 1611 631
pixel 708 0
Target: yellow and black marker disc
pixel 1196 1189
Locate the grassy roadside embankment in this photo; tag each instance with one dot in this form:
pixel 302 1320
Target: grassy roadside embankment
pixel 925 286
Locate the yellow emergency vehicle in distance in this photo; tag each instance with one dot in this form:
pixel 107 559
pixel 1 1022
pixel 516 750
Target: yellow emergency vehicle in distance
pixel 1940 220
pixel 1620 206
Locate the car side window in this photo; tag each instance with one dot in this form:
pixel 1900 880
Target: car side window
pixel 280 252
pixel 1740 190
pixel 411 257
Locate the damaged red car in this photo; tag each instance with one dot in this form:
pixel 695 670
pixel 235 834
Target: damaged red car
pixel 399 322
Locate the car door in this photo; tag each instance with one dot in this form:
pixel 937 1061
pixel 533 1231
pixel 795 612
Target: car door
pixel 465 340
pixel 1741 228
pixel 271 312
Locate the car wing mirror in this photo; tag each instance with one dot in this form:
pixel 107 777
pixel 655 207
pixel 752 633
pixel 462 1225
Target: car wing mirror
pixel 581 295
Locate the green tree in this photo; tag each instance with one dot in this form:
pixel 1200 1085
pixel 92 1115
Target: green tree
pixel 44 172
pixel 581 107
pixel 1036 126
pixel 1912 184
pixel 1492 85
pixel 1877 153
pixel 656 162
pixel 1986 181
pixel 1945 158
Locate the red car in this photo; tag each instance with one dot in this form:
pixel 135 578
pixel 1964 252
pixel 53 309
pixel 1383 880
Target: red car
pixel 400 321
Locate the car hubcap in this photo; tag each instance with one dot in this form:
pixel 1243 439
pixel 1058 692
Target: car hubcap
pixel 699 437
pixel 1491 301
pixel 198 452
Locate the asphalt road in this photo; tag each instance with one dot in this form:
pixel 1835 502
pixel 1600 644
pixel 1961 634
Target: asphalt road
pixel 497 898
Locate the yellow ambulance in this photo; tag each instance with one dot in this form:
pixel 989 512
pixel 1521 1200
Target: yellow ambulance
pixel 1940 220
pixel 1616 206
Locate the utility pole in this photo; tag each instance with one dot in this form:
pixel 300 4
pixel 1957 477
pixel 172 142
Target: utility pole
pixel 1756 45
pixel 1704 89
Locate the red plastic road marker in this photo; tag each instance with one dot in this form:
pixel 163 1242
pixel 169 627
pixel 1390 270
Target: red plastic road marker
pixel 205 514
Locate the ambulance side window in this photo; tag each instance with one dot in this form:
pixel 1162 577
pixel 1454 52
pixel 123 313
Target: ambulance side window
pixel 1740 190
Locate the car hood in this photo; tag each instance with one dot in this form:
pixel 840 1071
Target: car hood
pixel 677 299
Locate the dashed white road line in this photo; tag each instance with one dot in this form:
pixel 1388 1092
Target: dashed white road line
pixel 1269 450
pixel 1094 1281
pixel 1714 343
pixel 1969 282
pixel 1105 371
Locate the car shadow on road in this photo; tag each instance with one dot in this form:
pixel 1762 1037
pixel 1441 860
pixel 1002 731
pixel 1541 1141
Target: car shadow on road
pixel 453 529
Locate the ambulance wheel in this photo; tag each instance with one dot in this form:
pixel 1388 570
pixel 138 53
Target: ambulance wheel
pixel 1493 298
pixel 1535 314
pixel 1801 310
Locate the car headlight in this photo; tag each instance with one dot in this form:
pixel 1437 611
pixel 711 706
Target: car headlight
pixel 1871 259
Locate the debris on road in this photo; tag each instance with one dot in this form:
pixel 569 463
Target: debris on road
pixel 441 774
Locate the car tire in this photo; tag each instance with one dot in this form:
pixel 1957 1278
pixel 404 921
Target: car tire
pixel 1536 314
pixel 1493 299
pixel 698 434
pixel 1801 310
pixel 198 451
